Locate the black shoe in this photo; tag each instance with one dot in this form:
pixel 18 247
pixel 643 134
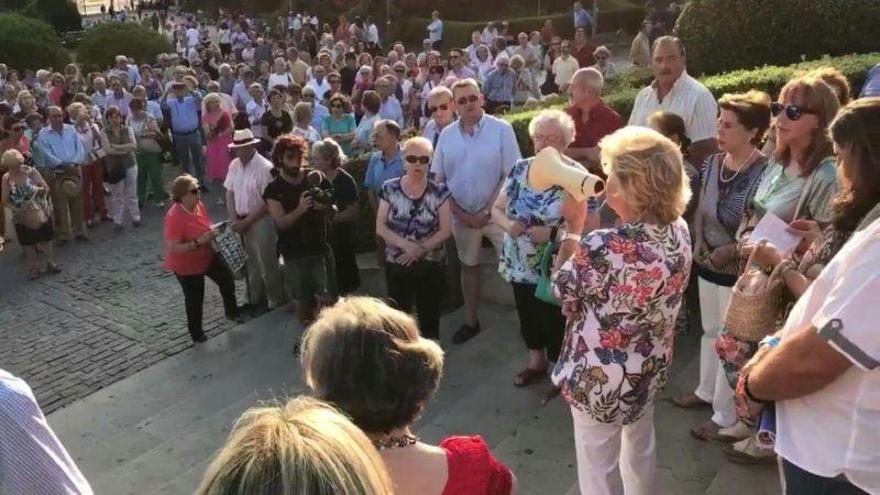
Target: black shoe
pixel 465 333
pixel 201 339
pixel 235 316
pixel 82 237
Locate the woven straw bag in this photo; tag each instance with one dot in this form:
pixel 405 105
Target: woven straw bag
pixel 751 314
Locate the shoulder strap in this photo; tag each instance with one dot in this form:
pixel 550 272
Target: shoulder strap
pixel 803 197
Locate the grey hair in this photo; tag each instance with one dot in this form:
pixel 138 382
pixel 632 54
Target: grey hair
pixel 557 117
pixel 329 148
pixel 591 77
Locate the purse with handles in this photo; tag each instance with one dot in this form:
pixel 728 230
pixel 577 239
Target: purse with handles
pixel 544 289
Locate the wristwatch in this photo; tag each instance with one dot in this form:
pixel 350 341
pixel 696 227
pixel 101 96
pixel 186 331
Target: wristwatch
pixel 568 236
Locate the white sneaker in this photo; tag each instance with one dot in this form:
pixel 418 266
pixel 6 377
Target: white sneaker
pixel 748 452
pixel 738 431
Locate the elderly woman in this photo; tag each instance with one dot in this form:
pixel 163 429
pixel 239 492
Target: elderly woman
pixel 413 220
pixel 340 124
pixel 187 233
pixel 118 140
pixel 603 63
pixel 370 361
pixel 217 127
pixel 26 194
pixel 620 289
pixel 303 446
pixel 327 157
pixel 728 183
pixel 363 133
pixel 146 131
pixel 524 87
pixel 483 63
pixel 92 170
pixel 302 123
pixel 529 218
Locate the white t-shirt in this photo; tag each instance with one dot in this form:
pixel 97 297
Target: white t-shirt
pixel 688 99
pixel 192 37
pixel 837 429
pixel 279 79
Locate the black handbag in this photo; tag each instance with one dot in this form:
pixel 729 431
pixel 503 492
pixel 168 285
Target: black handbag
pixel 113 173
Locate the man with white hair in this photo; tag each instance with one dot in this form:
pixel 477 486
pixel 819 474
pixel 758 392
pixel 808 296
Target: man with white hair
pixel 593 119
pixel 256 108
pixel 564 66
pixel 473 157
pixel 99 97
pixel 476 41
pixel 499 85
pixel 123 67
pixel 524 50
pixel 390 108
pixel 319 83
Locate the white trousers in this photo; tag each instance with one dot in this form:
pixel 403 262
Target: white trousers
pixel 713 385
pixel 614 459
pixel 123 197
pixel 264 282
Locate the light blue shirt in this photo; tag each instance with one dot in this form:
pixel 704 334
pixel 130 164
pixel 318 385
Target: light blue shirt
pixel 60 148
pixel 364 131
pixel 184 114
pixel 100 100
pixel 582 19
pixel 435 30
pixel 391 110
pixel 872 83
pixel 319 113
pixel 155 111
pixel 499 87
pixel 474 165
pixel 379 171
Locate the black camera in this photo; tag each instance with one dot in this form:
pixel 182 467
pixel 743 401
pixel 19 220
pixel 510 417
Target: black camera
pixel 314 192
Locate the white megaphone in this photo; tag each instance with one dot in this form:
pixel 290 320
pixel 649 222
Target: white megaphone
pixel 549 169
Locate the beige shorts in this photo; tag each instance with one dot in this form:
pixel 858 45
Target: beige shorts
pixel 468 241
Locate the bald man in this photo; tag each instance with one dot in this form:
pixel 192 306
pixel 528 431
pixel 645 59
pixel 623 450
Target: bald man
pixel 593 119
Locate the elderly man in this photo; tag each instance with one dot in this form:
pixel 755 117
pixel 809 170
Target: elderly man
pixel 426 49
pixel 256 108
pixel 152 107
pixel 435 31
pixel 63 154
pixel 318 83
pixel 226 80
pixel 822 370
pixel 441 112
pixel 123 67
pixel 386 163
pixel 476 41
pixel 593 119
pixel 241 92
pixel 319 111
pixel 182 106
pixel 473 157
pixel 390 107
pixel 298 69
pixel 249 174
pixel 524 50
pixel 99 97
pixel 499 86
pixel 118 96
pixel 673 90
pixel 459 69
pixel 564 66
pixel 640 49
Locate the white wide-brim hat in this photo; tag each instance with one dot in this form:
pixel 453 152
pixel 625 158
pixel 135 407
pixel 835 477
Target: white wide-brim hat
pixel 243 138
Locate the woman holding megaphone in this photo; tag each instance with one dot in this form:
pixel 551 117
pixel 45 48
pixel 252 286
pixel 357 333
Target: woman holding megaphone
pixel 620 290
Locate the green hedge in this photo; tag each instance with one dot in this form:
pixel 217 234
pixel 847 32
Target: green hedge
pixel 724 35
pixel 101 44
pixel 27 43
pixel 771 79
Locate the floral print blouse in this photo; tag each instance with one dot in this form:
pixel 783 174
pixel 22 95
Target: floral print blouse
pixel 520 258
pixel 628 283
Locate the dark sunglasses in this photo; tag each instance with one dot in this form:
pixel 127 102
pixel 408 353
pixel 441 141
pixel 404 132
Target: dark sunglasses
pixel 443 107
pixel 793 112
pixel 464 100
pixel 424 160
pixel 194 191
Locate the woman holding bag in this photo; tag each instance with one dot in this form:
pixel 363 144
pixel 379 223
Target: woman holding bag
pixel 528 218
pixel 146 132
pixel 188 233
pixel 728 181
pixel 414 220
pixel 119 142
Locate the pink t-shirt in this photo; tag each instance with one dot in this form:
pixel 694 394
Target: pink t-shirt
pixel 183 226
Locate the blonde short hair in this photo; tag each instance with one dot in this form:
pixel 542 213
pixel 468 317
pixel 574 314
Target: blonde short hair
pixel 74 109
pixel 303 446
pixel 650 171
pixel 557 117
pixel 466 83
pixel 10 157
pixel 302 112
pixel 370 361
pixel 209 99
pixel 418 141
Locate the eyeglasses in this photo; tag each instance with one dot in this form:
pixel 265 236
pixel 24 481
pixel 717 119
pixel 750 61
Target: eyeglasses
pixel 464 100
pixel 333 81
pixel 453 57
pixel 793 112
pixel 336 105
pixel 424 160
pixel 444 107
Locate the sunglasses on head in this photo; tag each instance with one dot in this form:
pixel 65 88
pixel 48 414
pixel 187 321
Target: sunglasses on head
pixel 444 107
pixel 464 100
pixel 424 160
pixel 793 112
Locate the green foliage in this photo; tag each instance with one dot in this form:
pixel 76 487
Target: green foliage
pixel 61 14
pixel 27 43
pixel 621 94
pixel 723 35
pixel 102 43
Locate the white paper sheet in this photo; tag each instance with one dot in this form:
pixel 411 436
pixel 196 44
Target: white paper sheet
pixel 772 229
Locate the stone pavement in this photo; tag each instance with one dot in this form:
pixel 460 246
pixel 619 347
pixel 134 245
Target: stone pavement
pixel 155 432
pixel 111 312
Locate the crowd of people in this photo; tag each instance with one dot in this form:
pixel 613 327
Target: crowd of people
pixel 599 284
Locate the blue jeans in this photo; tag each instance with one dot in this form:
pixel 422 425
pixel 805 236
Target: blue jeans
pixel 190 156
pixel 801 482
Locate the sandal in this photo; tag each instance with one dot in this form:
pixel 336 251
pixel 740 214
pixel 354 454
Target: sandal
pixel 706 431
pixel 551 394
pixel 33 274
pixel 690 401
pixel 52 269
pixel 528 375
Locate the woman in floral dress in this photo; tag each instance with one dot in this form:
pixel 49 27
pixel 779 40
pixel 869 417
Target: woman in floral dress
pixel 528 218
pixel 621 289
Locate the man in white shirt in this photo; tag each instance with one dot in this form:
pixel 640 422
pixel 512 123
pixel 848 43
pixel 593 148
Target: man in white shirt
pixel 824 376
pixel 435 31
pixel 473 157
pixel 241 92
pixel 564 67
pixel 390 108
pixel 318 82
pixel 193 37
pixel 32 460
pixel 256 108
pixel 372 33
pixel 249 174
pixel 471 50
pixel 673 90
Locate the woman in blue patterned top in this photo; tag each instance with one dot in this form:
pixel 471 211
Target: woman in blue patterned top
pixel 528 218
pixel 413 219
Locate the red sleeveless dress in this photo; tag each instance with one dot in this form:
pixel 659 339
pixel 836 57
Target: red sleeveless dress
pixel 473 470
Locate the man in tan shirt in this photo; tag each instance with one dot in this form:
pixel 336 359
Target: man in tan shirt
pixel 297 68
